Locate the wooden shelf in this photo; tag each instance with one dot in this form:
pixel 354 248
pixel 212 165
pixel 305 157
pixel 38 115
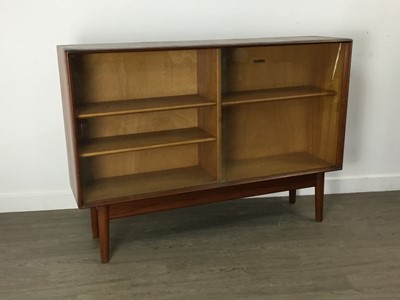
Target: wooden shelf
pixel 300 162
pixel 144 183
pixel 142 141
pixel 122 107
pixel 286 93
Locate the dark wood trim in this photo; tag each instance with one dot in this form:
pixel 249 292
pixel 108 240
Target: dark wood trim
pixel 95 222
pixel 120 210
pixel 201 44
pixel 104 232
pixel 69 125
pixel 207 187
pixel 292 196
pixel 319 197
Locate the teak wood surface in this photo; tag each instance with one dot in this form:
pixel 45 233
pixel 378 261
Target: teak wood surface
pixel 155 126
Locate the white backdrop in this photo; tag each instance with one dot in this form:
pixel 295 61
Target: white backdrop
pixel 33 166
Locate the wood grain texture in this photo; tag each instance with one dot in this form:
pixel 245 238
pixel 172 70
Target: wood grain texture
pixel 291 163
pixel 69 125
pixel 277 94
pixel 206 194
pixel 136 162
pixel 266 129
pixel 149 182
pixel 123 107
pixel 140 123
pixel 100 77
pixel 143 141
pixel 280 67
pixel 245 249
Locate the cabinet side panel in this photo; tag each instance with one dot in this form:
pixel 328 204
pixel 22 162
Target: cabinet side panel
pixel 327 114
pixel 69 124
pixel 343 102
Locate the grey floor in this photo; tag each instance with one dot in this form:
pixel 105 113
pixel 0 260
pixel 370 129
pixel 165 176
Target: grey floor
pixel 244 249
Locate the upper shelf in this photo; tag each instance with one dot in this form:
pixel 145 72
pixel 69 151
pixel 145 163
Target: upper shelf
pixel 286 93
pixel 123 107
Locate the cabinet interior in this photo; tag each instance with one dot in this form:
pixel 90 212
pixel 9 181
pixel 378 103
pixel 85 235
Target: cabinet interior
pixel 153 121
pixel 280 109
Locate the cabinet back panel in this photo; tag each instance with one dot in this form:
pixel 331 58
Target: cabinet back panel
pixel 133 75
pixel 280 127
pixel 140 123
pixel 143 161
pixel 265 129
pixel 208 73
pixel 257 68
pixel 328 66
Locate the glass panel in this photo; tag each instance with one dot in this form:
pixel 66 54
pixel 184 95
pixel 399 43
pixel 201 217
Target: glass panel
pixel 147 121
pixel 280 109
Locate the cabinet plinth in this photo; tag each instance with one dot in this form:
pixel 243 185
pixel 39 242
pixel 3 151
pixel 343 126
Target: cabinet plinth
pixel 156 126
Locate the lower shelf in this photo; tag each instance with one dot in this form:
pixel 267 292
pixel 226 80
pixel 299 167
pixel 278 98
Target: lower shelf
pixel 139 184
pixel 274 166
pixel 142 141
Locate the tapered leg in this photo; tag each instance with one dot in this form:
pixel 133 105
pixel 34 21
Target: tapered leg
pixel 104 225
pixel 319 197
pixel 292 196
pixel 95 222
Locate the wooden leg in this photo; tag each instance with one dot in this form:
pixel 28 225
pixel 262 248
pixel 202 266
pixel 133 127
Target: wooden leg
pixel 104 226
pixel 319 197
pixel 292 196
pixel 95 222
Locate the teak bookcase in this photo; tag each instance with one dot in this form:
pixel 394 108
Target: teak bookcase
pixel 156 126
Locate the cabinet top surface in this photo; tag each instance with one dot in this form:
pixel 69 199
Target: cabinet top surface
pixel 201 44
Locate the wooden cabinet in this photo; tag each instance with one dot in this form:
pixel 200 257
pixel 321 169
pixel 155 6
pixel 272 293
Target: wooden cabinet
pixel 155 126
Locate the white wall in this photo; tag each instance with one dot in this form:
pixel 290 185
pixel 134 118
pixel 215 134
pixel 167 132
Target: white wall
pixel 33 167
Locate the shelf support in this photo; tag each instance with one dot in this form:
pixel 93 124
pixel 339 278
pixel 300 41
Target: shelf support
pixel 319 197
pixel 292 196
pixel 104 225
pixel 95 222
